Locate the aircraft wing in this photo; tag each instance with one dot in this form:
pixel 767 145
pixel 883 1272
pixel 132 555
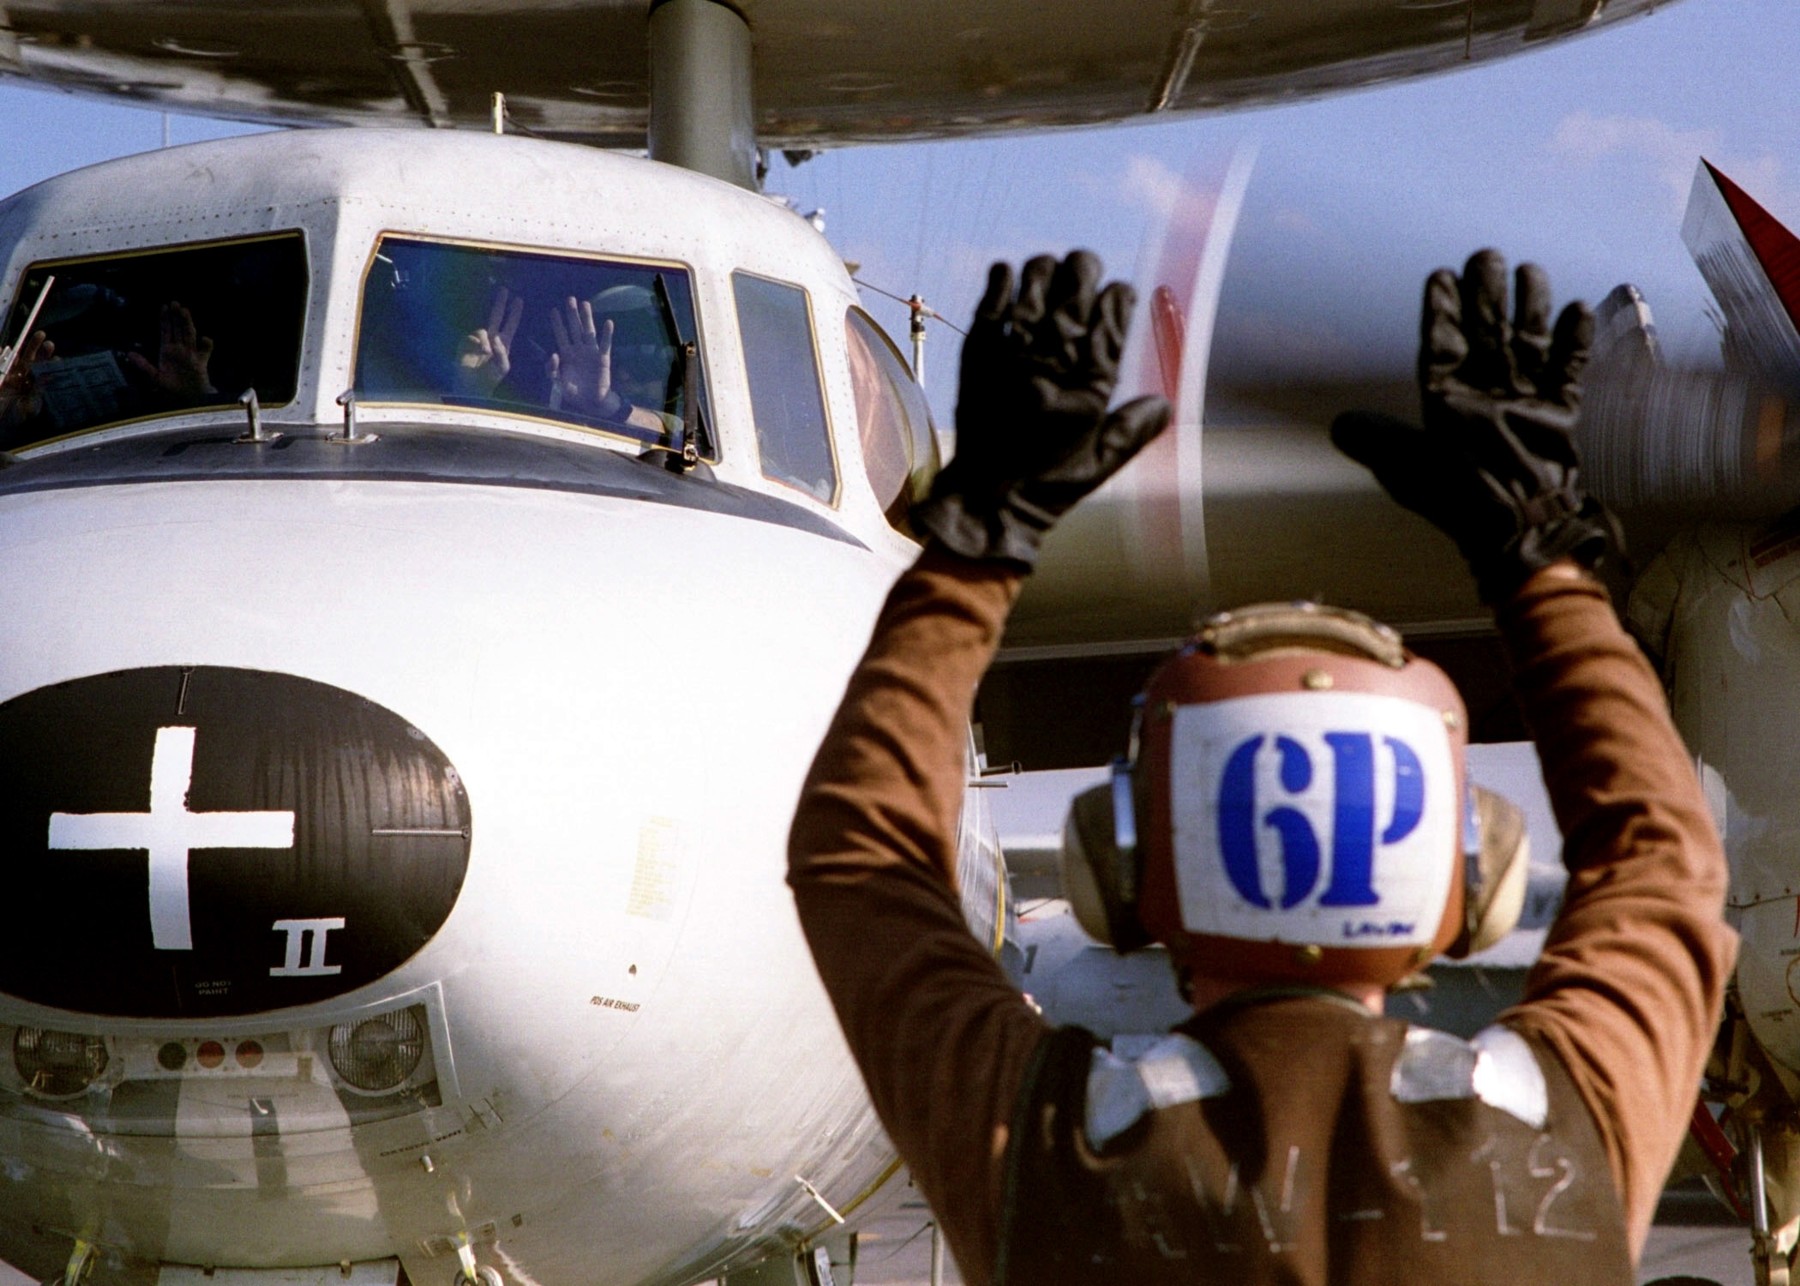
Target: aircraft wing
pixel 826 71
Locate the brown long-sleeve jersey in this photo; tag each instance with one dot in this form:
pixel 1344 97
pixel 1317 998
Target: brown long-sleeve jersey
pixel 1627 992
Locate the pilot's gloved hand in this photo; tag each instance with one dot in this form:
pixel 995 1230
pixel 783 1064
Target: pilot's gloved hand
pixel 1495 465
pixel 1033 435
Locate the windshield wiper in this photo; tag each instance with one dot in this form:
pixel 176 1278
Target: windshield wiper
pixel 684 451
pixel 10 354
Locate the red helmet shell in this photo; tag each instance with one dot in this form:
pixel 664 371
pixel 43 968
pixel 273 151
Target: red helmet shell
pixel 1302 813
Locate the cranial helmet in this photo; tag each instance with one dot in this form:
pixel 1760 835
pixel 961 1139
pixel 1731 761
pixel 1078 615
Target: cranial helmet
pixel 1295 808
pixel 636 315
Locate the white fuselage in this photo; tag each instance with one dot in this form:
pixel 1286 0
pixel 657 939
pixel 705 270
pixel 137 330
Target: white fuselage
pixel 634 1075
pixel 631 730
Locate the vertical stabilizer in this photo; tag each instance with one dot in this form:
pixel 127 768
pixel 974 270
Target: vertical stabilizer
pixel 1752 264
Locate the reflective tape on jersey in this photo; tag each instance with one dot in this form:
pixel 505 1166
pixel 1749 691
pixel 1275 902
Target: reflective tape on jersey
pixel 1311 819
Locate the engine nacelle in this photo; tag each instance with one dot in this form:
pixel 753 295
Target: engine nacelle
pixel 1718 607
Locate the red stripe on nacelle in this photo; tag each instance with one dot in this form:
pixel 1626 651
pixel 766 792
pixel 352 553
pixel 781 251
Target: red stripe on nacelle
pixel 1169 329
pixel 1776 249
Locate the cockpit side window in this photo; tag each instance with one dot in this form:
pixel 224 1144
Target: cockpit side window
pixel 893 418
pixel 593 342
pixel 786 397
pixel 153 332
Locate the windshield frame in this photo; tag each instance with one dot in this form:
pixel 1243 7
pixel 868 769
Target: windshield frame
pixel 19 305
pixel 827 420
pixel 580 427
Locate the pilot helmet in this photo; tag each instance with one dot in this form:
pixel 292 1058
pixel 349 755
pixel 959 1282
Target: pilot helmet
pixel 643 350
pixel 1295 809
pixel 636 314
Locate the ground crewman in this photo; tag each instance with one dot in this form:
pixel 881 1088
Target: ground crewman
pixel 1295 827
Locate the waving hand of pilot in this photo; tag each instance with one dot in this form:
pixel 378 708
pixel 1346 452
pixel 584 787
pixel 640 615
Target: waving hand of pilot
pixel 484 357
pixel 581 368
pixel 182 356
pixel 20 398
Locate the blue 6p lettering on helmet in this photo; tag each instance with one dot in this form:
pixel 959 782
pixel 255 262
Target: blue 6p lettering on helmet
pixel 1294 807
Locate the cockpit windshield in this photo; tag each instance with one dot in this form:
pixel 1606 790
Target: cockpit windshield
pixel 153 332
pixel 593 342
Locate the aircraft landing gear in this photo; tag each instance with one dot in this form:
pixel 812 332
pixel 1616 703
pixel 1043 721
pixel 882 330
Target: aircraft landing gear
pixel 1753 1145
pixel 81 1262
pixel 470 1273
pixel 823 1263
pixel 1771 1269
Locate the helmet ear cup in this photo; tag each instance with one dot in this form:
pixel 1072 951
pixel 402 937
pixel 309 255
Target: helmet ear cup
pixel 1495 873
pixel 1100 864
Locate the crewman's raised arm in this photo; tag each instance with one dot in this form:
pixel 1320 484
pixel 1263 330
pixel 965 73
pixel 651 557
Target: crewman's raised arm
pixel 1630 983
pixel 942 1037
pixel 1629 987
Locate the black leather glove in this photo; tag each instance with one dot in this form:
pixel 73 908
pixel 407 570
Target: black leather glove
pixel 1032 432
pixel 1495 464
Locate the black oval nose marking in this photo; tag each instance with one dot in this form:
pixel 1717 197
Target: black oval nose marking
pixel 203 841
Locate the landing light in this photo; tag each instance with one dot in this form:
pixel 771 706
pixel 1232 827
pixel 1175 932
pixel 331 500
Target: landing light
pixel 57 1064
pixel 378 1054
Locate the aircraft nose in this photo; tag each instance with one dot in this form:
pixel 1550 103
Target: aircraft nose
pixel 207 841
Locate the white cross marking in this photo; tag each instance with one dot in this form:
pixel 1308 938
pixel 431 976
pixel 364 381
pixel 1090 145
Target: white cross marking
pixel 168 833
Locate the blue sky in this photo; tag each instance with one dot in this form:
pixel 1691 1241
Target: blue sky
pixel 1578 155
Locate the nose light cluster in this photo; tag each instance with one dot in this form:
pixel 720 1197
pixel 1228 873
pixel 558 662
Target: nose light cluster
pixel 379 1065
pixel 174 1055
pixel 378 1053
pixel 57 1064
